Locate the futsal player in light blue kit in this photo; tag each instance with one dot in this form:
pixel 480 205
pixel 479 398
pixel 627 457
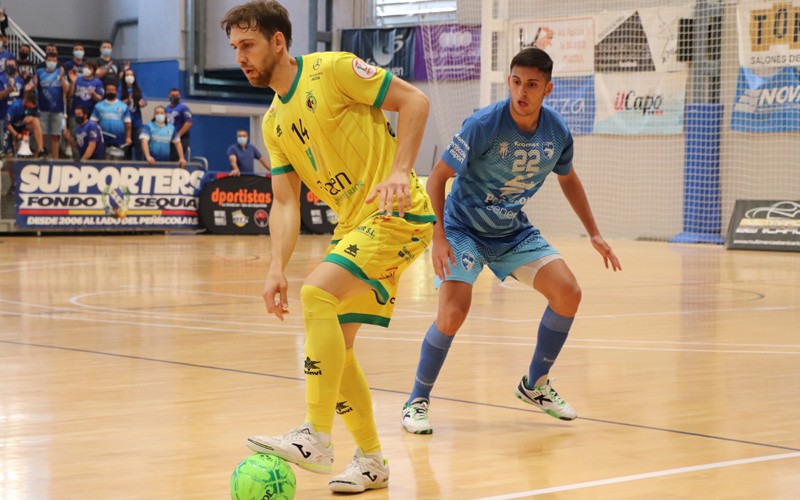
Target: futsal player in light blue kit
pixel 501 158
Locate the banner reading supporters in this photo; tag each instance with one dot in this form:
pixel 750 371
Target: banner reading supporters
pixel 105 195
pixel 573 98
pixel 769 34
pixel 569 42
pixel 639 103
pixel 767 104
pixel 391 48
pixel 452 51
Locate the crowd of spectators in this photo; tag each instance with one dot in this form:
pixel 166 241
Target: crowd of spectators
pixel 83 108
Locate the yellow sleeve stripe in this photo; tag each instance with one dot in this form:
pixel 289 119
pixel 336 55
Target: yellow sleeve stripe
pixel 285 169
pixel 387 79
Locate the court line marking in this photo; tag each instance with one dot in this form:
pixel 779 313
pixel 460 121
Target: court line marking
pixel 395 391
pixel 366 336
pixel 646 475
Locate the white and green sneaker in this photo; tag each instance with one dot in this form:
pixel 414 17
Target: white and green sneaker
pixel 546 399
pixel 415 417
pixel 301 446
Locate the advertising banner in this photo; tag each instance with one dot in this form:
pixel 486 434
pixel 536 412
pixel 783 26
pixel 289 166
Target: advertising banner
pixel 568 41
pixel 573 98
pixel 236 205
pixel 96 195
pixel 769 34
pixel 768 103
pixel 451 51
pixel 765 225
pixel 639 103
pixel 389 48
pixel 317 217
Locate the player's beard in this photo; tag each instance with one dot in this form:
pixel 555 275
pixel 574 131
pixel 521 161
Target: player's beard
pixel 264 73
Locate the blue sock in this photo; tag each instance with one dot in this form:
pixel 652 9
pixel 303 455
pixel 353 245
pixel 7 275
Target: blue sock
pixel 553 330
pixel 431 358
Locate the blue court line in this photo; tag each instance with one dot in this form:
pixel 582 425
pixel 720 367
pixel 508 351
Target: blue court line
pixel 394 391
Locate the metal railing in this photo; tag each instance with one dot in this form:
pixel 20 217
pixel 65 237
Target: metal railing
pixel 16 38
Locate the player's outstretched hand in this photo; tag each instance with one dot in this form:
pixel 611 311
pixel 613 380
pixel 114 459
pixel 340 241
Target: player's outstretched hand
pixel 604 249
pixel 397 185
pixel 443 257
pixel 274 294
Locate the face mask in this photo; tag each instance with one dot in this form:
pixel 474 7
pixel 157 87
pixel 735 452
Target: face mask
pixel 161 118
pixel 11 70
pixel 174 100
pixel 51 65
pixel 242 141
pixel 80 119
pixel 105 52
pixel 87 72
pixel 110 96
pixel 23 56
pixel 129 80
pixel 78 54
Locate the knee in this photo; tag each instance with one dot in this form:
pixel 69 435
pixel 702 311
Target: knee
pixel 571 297
pixel 450 320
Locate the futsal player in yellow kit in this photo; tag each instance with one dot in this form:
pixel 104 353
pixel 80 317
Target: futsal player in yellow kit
pixel 326 127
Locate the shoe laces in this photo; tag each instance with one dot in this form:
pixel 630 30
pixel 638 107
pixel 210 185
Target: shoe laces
pixel 553 394
pixel 357 466
pixel 419 410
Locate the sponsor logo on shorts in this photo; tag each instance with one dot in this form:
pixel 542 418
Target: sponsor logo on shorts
pixel 352 250
pixel 366 231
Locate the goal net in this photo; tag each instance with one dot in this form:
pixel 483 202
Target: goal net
pixel 677 109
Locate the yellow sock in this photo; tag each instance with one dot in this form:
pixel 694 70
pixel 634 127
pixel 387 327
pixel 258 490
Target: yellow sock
pixel 325 355
pixel 355 406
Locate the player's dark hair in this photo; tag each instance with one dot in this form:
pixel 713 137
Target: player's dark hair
pixel 30 96
pixel 266 16
pixel 82 108
pixel 534 58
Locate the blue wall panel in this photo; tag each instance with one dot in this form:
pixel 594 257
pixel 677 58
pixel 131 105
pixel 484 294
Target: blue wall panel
pixel 211 136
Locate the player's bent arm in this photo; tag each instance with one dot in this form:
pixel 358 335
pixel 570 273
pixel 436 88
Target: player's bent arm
pixel 572 187
pixel 284 219
pixel 89 151
pixel 435 187
pixel 412 108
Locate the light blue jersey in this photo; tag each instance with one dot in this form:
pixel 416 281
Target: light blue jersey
pixel 500 167
pixel 112 117
pixel 51 93
pixel 159 137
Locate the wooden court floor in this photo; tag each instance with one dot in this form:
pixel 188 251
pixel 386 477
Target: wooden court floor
pixel 133 367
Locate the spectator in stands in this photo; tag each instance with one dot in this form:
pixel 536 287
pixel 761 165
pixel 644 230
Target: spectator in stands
pixel 88 137
pixel 51 87
pixel 16 83
pixel 242 155
pixel 180 115
pixel 107 68
pixel 157 136
pixel 3 21
pixel 85 88
pixel 77 62
pixel 114 119
pixel 23 117
pixel 132 96
pixel 50 49
pixel 25 62
pixel 5 55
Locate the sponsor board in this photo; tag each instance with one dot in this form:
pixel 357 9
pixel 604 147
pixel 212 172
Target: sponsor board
pixel 639 103
pixel 765 225
pixel 569 42
pixel 65 195
pixel 573 98
pixel 769 34
pixel 767 103
pixel 236 205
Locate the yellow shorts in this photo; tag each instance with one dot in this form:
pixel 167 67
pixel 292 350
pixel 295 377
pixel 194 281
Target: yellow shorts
pixel 377 252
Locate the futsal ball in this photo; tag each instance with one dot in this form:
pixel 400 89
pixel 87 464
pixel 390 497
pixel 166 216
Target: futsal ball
pixel 263 477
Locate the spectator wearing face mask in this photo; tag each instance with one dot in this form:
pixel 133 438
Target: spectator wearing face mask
pixel 114 119
pixel 242 155
pixel 77 62
pixel 132 95
pixel 88 137
pixel 156 138
pixel 49 50
pixel 107 68
pixel 25 62
pixel 85 89
pixel 23 117
pixel 51 87
pixel 180 115
pixel 14 82
pixel 5 55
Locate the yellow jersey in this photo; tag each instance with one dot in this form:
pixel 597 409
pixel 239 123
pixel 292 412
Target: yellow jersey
pixel 329 128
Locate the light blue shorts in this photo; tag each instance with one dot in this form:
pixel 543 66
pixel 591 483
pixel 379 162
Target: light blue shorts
pixel 502 255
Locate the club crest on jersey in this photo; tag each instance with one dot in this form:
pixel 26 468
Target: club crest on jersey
pixel 502 149
pixel 311 102
pixel 362 69
pixel 548 148
pixel 467 261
